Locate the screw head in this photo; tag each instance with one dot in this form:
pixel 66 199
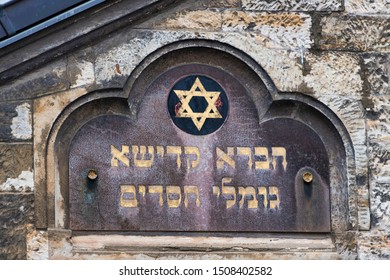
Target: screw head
pixel 307 177
pixel 92 174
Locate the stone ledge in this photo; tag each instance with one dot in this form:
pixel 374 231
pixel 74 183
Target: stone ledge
pixel 117 242
pixel 297 5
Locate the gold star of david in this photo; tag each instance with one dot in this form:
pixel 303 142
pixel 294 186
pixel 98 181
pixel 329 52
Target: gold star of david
pixel 185 110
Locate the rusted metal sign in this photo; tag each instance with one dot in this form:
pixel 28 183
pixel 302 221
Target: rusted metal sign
pixel 198 159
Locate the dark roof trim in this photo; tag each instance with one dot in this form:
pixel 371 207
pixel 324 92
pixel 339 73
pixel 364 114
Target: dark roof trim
pixel 20 19
pixel 73 33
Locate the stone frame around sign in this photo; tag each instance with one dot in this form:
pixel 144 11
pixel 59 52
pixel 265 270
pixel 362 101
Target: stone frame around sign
pixel 52 192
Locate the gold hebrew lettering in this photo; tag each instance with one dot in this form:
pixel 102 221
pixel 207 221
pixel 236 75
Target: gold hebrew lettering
pixel 229 191
pixel 142 190
pixel 119 156
pixel 128 190
pixel 216 191
pixel 158 190
pixel 173 196
pixel 279 152
pixel 247 152
pixel 223 158
pixel 191 190
pixel 140 156
pixel 248 193
pixel 263 192
pixel 175 150
pixel 192 151
pixel 274 202
pixel 262 152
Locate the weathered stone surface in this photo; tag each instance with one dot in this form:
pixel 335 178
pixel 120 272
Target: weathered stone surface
pixel 218 3
pixel 46 80
pixel 192 15
pixel 349 84
pixel 16 210
pixel 37 244
pixel 81 69
pixel 21 124
pixel 380 206
pixel 117 59
pixel 15 121
pixel 346 245
pixel 16 167
pixel 334 73
pixel 376 72
pixel 378 134
pixel 351 113
pixel 295 5
pixel 355 33
pixel 60 244
pixel 196 20
pixel 175 247
pixel 282 30
pixel 367 6
pixel 46 111
pixel 364 212
pixel 373 246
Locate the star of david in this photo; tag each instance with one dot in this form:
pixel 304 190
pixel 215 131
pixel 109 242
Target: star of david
pixel 185 111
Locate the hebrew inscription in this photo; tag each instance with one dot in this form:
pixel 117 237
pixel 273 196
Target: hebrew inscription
pixel 196 158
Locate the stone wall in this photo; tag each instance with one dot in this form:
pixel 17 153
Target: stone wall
pixel 334 51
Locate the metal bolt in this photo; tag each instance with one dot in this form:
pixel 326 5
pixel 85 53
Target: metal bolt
pixel 92 174
pixel 307 177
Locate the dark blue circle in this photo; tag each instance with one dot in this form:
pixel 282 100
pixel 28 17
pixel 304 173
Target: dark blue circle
pixel 197 104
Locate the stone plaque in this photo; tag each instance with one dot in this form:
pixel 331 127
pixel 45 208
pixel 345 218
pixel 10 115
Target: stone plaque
pixel 198 158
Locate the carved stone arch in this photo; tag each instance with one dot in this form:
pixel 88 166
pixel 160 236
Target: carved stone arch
pixel 199 52
pixel 64 128
pixel 270 103
pixel 206 56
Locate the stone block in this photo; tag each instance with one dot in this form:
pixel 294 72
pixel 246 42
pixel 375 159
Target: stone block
pixel 367 6
pixel 16 210
pixel 43 81
pixel 295 5
pixel 378 126
pixel 376 72
pixel 16 168
pixel 333 73
pixel 15 121
pixel 116 59
pixel 192 20
pixel 282 30
pixel 374 245
pixel 354 33
pixel 380 206
pixel 379 162
pixel 378 135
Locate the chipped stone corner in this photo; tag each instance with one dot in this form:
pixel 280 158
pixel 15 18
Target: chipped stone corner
pixel 60 243
pixel 22 124
pixel 81 73
pixel 23 183
pixel 37 243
